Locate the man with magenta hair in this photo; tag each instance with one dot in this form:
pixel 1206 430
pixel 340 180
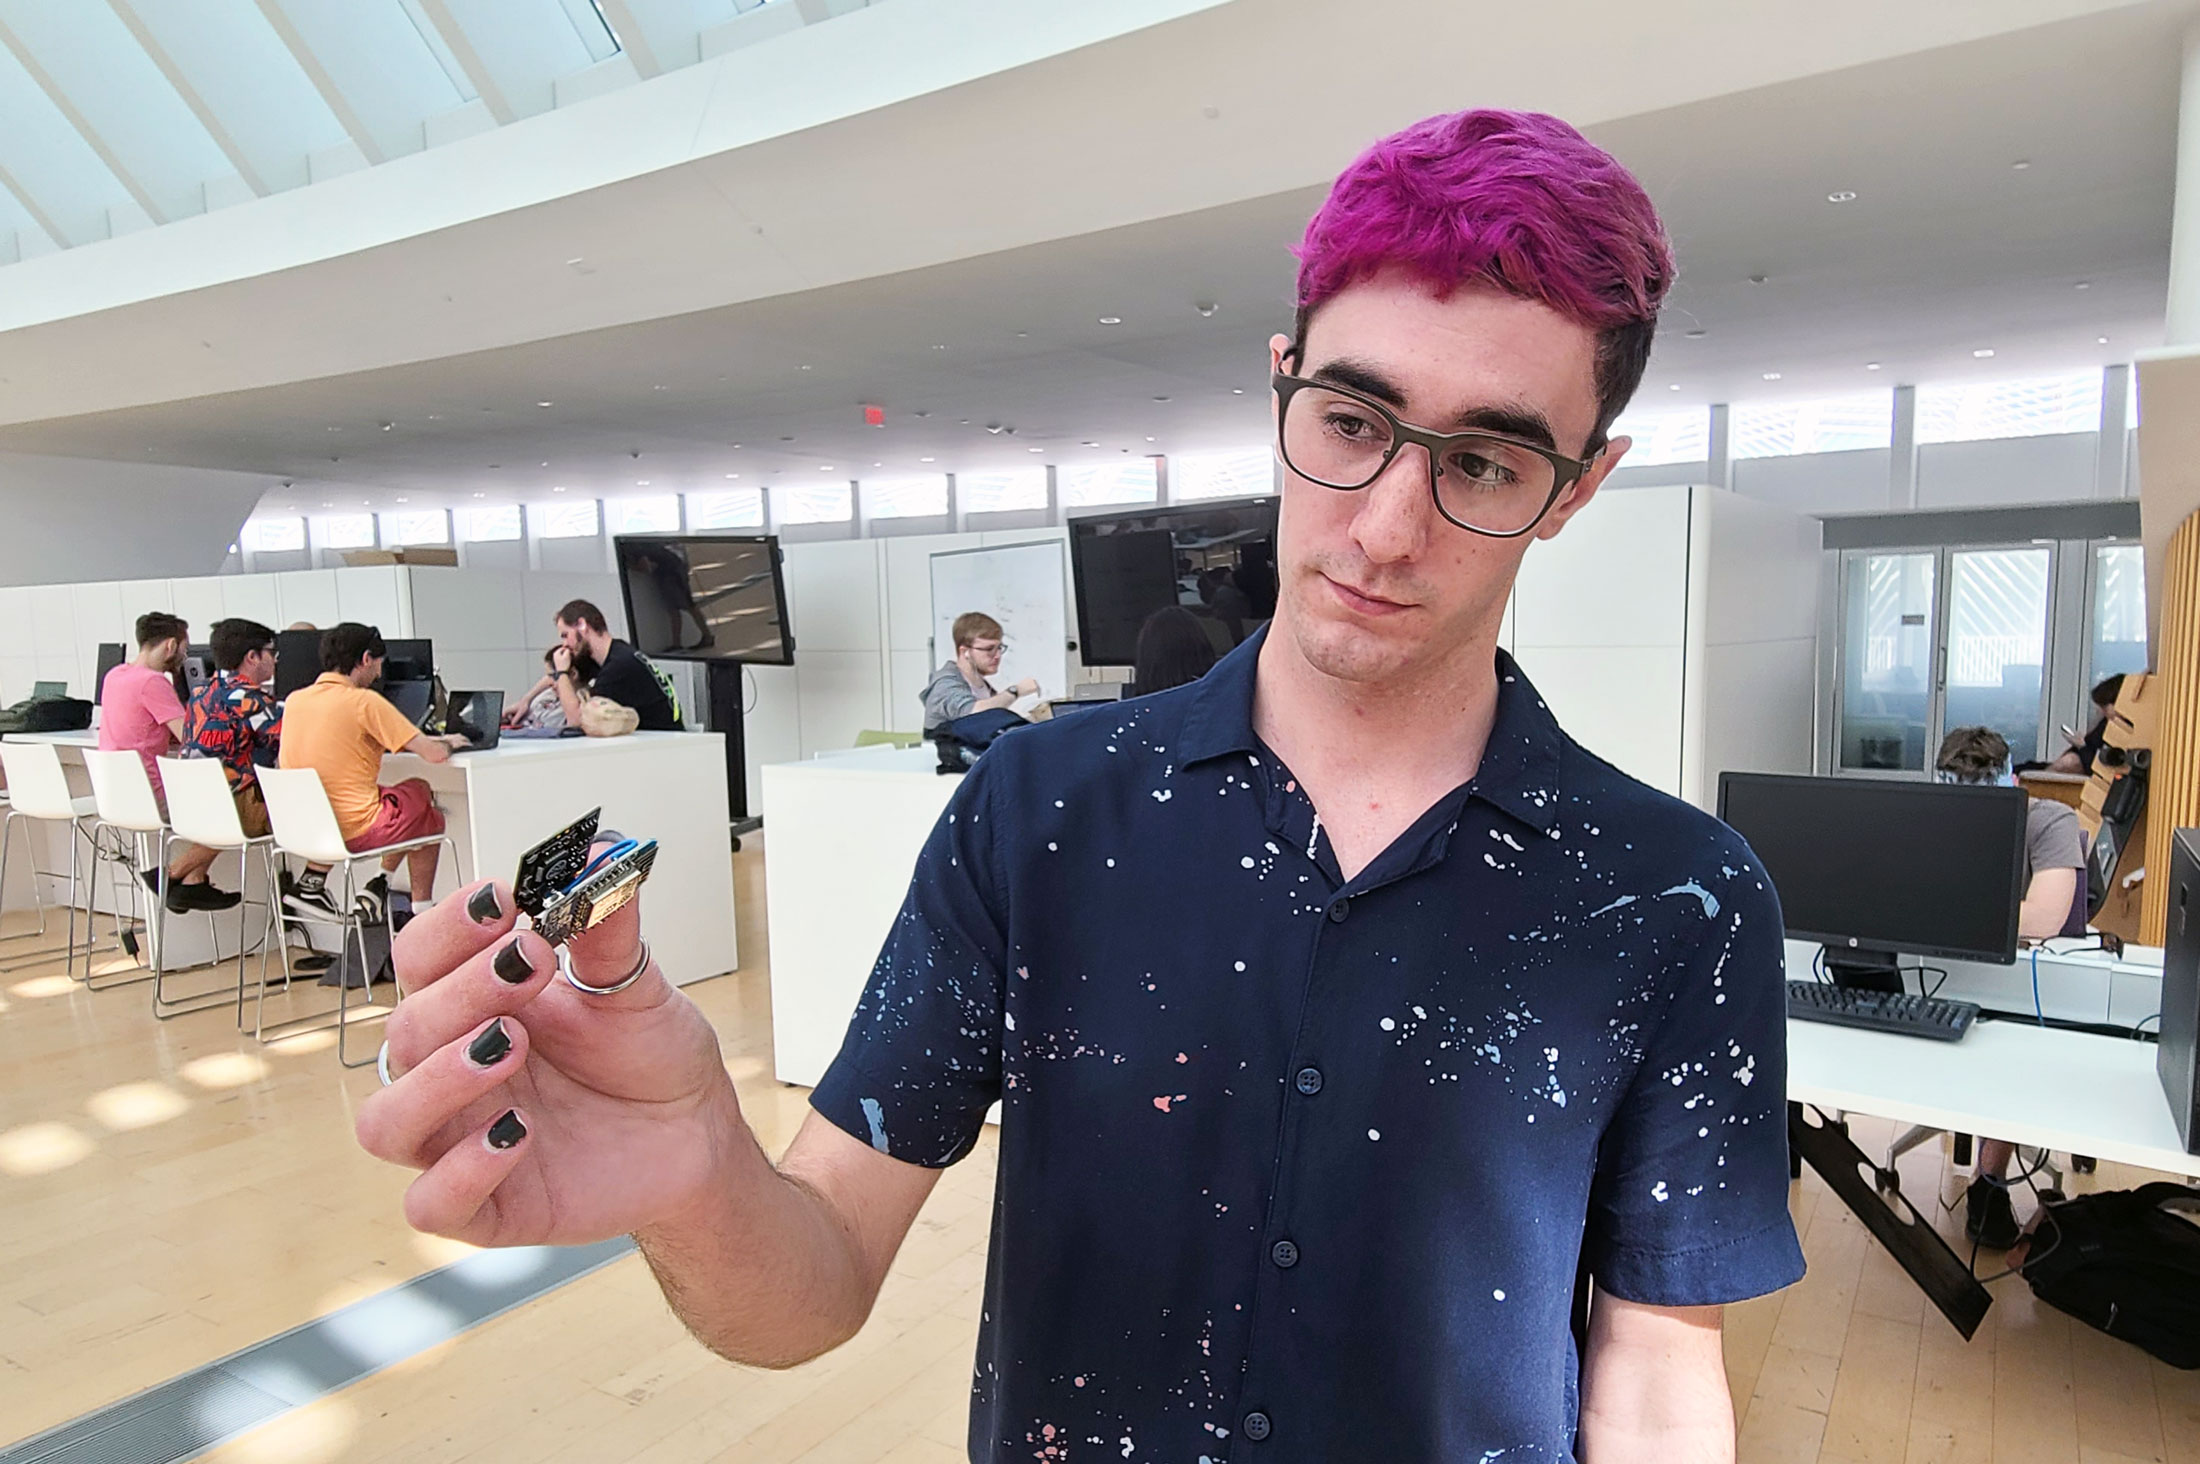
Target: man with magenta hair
pixel 1343 1013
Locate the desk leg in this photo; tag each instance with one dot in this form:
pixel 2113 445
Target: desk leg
pixel 1936 1269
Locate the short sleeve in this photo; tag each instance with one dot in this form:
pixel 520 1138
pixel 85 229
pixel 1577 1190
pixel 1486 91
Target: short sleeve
pixel 1689 1203
pixel 921 1063
pixel 386 724
pixel 161 701
pixel 2053 838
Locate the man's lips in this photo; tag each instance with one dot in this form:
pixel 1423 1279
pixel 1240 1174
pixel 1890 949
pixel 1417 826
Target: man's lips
pixel 1363 602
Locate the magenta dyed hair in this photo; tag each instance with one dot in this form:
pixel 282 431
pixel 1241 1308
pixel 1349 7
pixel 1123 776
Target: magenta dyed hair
pixel 1518 200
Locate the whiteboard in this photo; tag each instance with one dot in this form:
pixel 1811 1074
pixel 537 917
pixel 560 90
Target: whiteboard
pixel 1023 587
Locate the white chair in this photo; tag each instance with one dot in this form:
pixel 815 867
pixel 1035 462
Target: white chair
pixel 304 826
pixel 125 808
pixel 38 789
pixel 202 810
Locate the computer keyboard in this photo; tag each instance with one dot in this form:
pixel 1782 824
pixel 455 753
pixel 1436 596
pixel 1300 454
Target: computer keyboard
pixel 1880 1011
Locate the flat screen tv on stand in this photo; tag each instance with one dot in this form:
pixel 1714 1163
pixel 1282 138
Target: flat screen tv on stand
pixel 719 599
pixel 1875 869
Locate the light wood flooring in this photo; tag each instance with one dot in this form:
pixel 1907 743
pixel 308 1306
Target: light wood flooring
pixel 173 1192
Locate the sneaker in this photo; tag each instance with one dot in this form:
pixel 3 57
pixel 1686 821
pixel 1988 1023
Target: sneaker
pixel 313 905
pixel 1989 1218
pixel 373 901
pixel 183 899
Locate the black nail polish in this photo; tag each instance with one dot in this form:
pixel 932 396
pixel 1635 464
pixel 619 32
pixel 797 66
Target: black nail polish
pixel 512 965
pixel 489 1048
pixel 483 906
pixel 507 1131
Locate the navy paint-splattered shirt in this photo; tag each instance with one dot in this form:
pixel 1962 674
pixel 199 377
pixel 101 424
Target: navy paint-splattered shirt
pixel 1300 1168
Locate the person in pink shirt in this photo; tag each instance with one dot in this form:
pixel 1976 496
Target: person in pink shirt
pixel 140 712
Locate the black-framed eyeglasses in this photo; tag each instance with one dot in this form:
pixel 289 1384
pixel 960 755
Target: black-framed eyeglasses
pixel 1484 482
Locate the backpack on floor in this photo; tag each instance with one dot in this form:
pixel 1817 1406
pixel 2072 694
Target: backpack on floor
pixel 2125 1262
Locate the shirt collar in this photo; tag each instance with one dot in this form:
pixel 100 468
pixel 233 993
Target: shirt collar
pixel 1519 771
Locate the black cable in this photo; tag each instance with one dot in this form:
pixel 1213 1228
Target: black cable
pixel 1919 972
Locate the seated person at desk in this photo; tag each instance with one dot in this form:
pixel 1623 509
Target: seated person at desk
pixel 540 710
pixel 234 719
pixel 340 727
pixel 2054 861
pixel 2078 758
pixel 959 688
pixel 141 713
pixel 622 675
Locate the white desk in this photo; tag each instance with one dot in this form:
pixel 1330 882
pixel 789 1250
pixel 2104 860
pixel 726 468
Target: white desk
pixel 846 829
pixel 669 786
pixel 2081 986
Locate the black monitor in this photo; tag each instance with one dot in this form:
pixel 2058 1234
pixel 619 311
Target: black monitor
pixel 1217 560
pixel 111 655
pixel 706 597
pixel 2178 1060
pixel 1876 868
pixel 408 660
pixel 297 660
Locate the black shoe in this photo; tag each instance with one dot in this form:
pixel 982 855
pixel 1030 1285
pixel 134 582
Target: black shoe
pixel 373 901
pixel 313 905
pixel 1989 1218
pixel 183 899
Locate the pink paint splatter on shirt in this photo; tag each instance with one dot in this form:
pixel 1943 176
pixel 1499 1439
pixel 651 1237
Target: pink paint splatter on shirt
pixel 1180 1057
pixel 1165 1100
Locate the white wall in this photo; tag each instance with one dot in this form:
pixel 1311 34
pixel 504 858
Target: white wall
pixel 70 519
pixel 1753 644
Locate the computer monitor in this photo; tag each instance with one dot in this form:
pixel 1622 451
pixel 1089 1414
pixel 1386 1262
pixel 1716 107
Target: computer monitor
pixel 414 698
pixel 297 660
pixel 409 660
pixel 196 671
pixel 111 655
pixel 2177 1062
pixel 1876 868
pixel 478 716
pixel 705 597
pixel 1217 560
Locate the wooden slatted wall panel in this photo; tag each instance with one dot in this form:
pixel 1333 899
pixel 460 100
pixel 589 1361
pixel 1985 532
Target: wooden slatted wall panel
pixel 2173 792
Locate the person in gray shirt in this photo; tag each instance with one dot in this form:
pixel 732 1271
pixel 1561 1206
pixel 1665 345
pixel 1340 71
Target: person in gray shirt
pixel 960 687
pixel 2054 863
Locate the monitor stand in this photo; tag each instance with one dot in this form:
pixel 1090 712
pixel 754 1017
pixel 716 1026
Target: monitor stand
pixel 1864 970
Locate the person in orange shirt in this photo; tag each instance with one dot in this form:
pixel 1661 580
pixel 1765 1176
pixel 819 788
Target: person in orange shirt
pixel 340 727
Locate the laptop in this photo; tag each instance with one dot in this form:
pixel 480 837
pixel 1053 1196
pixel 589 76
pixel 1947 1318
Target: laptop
pixel 478 716
pixel 413 698
pixel 48 690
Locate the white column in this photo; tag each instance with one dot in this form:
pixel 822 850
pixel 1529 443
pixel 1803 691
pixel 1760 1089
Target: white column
pixel 1902 451
pixel 1054 498
pixel 2183 323
pixel 955 514
pixel 1160 480
pixel 1719 448
pixel 2109 456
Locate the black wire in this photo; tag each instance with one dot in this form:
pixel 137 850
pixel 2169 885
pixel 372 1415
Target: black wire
pixel 1919 972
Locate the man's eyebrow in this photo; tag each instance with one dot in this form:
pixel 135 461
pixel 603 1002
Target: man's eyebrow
pixel 1515 420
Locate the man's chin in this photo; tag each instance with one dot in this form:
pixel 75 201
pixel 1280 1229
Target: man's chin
pixel 1352 652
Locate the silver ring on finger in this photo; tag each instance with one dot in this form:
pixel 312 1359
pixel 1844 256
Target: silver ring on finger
pixel 565 969
pixel 382 1063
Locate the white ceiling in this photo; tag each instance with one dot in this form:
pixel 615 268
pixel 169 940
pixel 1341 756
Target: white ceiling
pixel 1946 249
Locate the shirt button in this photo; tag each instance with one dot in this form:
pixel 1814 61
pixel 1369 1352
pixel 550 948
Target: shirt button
pixel 1284 1253
pixel 1338 909
pixel 1257 1426
pixel 1310 1081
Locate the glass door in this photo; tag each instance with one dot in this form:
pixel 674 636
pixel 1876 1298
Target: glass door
pixel 1997 644
pixel 1887 670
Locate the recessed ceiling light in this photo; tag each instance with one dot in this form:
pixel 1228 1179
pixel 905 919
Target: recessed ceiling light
pixel 559 489
pixel 1758 279
pixel 805 368
pixel 2021 164
pixel 401 498
pixel 1841 195
pixel 1871 365
pixel 1149 439
pixel 1111 320
pixel 542 404
pixel 484 495
pixel 1034 449
pixel 878 465
pixel 1982 353
pixel 328 503
pixel 1698 334
pixel 1676 386
pixel 546 462
pixel 2083 285
pixel 825 467
pixel 1237 391
pixel 388 426
pixel 1160 398
pixel 939 348
pixel 435 416
pixel 660 388
pixel 786 439
pixel 1772 376
pixel 924 460
pixel 1088 444
pixel 2101 340
pixel 733 475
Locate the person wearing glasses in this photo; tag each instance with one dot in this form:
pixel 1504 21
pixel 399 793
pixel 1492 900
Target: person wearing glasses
pixel 1344 1014
pixel 233 717
pixel 960 687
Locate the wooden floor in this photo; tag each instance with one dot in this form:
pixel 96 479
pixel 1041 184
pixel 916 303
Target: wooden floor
pixel 173 1192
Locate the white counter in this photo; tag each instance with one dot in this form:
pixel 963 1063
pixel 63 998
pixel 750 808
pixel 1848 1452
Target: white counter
pixel 669 786
pixel 846 829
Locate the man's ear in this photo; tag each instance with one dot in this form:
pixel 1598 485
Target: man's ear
pixel 1584 488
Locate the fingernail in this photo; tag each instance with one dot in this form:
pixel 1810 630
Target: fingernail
pixel 484 907
pixel 507 1131
pixel 489 1048
pixel 512 965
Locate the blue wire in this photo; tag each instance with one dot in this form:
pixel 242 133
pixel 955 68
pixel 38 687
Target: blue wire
pixel 2037 1014
pixel 623 847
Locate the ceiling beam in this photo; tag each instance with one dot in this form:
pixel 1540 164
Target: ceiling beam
pixel 631 38
pixel 126 12
pixel 469 60
pixel 346 114
pixel 31 206
pixel 131 184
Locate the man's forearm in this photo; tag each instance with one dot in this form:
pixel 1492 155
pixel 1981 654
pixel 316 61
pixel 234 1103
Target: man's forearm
pixel 1653 1386
pixel 762 1271
pixel 568 699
